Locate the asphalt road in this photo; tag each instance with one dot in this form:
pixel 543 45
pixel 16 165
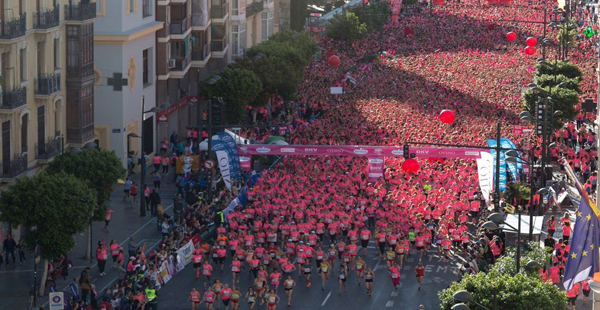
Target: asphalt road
pixel 438 276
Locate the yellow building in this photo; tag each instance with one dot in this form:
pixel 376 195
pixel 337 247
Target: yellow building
pixel 46 65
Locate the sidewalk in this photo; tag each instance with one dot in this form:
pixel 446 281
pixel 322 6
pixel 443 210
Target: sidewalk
pixel 16 281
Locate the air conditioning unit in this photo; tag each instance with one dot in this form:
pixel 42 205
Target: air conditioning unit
pixel 172 63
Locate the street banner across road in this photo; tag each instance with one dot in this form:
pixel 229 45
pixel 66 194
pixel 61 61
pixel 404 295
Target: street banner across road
pixel 366 151
pixel 374 169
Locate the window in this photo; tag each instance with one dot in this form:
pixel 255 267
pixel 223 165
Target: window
pixel 146 8
pixel 238 37
pixel 73 50
pixel 266 26
pixel 56 53
pixel 131 6
pixel 178 49
pixel 168 52
pixel 24 126
pixel 100 7
pixel 147 66
pixel 168 15
pixel 22 7
pixel 23 64
pixel 234 7
pixel 40 58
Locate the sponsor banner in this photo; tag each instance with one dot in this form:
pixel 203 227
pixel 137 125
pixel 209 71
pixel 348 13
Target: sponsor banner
pixel 162 116
pixel 374 169
pixel 485 168
pixel 519 130
pixel 367 151
pixel 185 253
pixel 224 167
pixel 232 151
pixel 502 181
pixel 517 167
pixel 245 163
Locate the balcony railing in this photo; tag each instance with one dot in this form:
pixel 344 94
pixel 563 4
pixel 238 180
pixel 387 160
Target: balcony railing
pixel 218 45
pixel 219 12
pixel 14 28
pixel 83 11
pixel 182 63
pixel 254 8
pixel 15 167
pixel 49 149
pixel 46 20
pixel 180 26
pixel 201 55
pixel 80 71
pixel 14 99
pixel 48 84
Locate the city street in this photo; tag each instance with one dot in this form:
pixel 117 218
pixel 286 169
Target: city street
pixel 16 281
pixel 438 275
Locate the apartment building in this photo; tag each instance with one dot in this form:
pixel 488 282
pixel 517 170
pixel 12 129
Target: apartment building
pixel 201 37
pixel 46 86
pixel 125 53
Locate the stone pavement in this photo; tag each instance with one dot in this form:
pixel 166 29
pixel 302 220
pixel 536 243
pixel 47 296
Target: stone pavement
pixel 16 280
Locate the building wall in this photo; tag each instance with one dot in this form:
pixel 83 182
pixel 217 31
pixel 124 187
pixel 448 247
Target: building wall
pixel 39 117
pixel 122 36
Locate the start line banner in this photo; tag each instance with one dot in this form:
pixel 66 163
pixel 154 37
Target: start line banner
pixel 367 151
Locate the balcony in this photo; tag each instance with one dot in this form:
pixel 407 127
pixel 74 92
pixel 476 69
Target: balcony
pixel 80 12
pixel 15 167
pixel 49 149
pixel 180 26
pixel 46 20
pixel 219 12
pixel 201 55
pixel 48 84
pixel 219 45
pixel 14 99
pixel 182 63
pixel 254 8
pixel 14 28
pixel 80 71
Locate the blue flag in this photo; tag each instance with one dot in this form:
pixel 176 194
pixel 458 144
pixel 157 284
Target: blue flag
pixel 583 254
pixel 492 143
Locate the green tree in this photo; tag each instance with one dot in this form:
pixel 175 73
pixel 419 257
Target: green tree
pixel 238 87
pixel 374 15
pixel 521 292
pixel 298 14
pixel 346 27
pixel 546 80
pixel 100 170
pixel 53 207
pixel 300 41
pixel 565 68
pixel 563 99
pixel 532 252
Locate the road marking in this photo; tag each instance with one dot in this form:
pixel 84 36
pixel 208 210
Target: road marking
pixel 377 265
pixel 326 298
pixel 389 304
pixel 395 294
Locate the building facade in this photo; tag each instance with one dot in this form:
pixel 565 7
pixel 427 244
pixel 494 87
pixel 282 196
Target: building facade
pixel 46 85
pixel 201 37
pixel 125 53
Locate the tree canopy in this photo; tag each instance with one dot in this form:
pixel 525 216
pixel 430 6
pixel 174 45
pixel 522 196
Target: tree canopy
pixel 525 291
pixel 374 15
pixel 238 87
pixel 346 27
pixel 58 205
pixel 100 170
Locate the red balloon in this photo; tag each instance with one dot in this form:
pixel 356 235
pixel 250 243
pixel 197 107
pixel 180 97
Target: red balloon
pixel 410 165
pixel 531 41
pixel 329 54
pixel 530 50
pixel 511 36
pixel 447 116
pixel 334 61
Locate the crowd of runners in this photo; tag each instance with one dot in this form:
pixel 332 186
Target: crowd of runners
pixel 310 221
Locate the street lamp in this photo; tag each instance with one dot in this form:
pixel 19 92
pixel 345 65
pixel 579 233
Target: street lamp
pixel 464 297
pixel 143 157
pixel 512 156
pixel 494 222
pixel 215 78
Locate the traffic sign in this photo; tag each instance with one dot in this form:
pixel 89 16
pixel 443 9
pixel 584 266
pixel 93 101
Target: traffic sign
pixel 209 164
pixel 57 301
